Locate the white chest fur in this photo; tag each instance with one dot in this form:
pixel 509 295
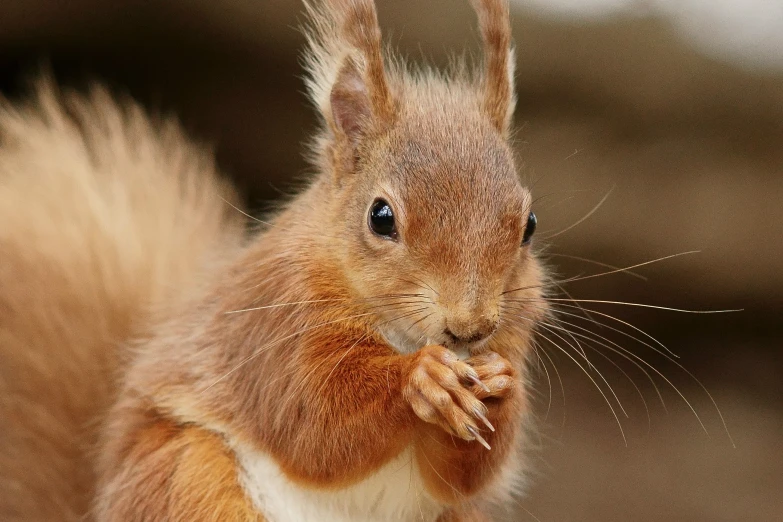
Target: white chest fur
pixel 393 493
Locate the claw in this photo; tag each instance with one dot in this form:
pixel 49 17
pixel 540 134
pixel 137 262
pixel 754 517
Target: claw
pixel 478 413
pixel 473 431
pixel 477 381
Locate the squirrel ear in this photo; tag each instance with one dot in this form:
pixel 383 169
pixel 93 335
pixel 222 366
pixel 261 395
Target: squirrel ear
pixel 347 77
pixel 350 104
pixel 498 85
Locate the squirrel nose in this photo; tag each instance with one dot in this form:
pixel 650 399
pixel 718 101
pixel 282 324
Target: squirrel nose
pixel 470 331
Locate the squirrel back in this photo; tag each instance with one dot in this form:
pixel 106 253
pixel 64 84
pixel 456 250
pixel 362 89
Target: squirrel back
pixel 104 215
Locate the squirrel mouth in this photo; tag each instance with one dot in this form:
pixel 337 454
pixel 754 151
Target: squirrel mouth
pixel 464 350
pixel 405 344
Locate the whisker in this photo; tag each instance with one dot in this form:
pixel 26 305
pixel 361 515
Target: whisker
pixel 601 274
pixel 540 349
pixel 655 386
pixel 314 301
pixel 628 377
pixel 574 325
pixel 404 315
pixel 418 321
pixel 418 282
pixel 642 305
pixel 640 367
pixel 558 306
pixel 617 366
pixel 536 351
pixel 392 306
pixel 586 314
pixel 598 263
pixel 662 376
pixel 549 328
pixel 280 305
pixel 548 382
pixel 626 334
pixel 600 390
pixel 595 208
pixel 245 213
pixel 304 381
pixel 265 347
pixel 567 294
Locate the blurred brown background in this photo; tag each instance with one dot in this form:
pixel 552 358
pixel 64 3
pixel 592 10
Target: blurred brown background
pixel 690 137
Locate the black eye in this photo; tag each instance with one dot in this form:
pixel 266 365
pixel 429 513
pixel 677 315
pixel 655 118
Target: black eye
pixel 530 229
pixel 381 219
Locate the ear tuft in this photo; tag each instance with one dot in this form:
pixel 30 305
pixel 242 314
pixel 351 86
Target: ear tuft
pixel 495 25
pixel 347 76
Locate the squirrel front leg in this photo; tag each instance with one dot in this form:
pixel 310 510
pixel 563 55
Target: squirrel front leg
pixel 347 411
pixel 455 467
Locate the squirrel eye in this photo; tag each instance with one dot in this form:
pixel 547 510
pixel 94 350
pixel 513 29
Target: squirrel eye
pixel 381 219
pixel 530 229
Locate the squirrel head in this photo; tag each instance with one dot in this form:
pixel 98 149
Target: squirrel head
pixel 433 223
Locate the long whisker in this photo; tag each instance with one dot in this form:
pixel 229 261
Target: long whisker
pixel 253 218
pixel 601 274
pixel 600 390
pixel 419 321
pixel 661 375
pixel 335 300
pixel 617 366
pixel 642 305
pixel 548 382
pixel 628 377
pixel 629 359
pixel 551 328
pixel 559 306
pixel 421 283
pixel 626 334
pixel 269 345
pixel 245 213
pixel 595 208
pixel 581 328
pixel 536 350
pixel 303 382
pixel 326 380
pixel 598 263
pixel 582 308
pixel 542 363
pixel 540 349
pixel 655 386
pixel 677 390
pixel 587 315
pixel 263 348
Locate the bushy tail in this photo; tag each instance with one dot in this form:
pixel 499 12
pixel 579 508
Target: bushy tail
pixel 103 214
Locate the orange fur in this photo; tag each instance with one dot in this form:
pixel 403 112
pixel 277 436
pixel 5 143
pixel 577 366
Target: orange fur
pixel 319 344
pixel 173 472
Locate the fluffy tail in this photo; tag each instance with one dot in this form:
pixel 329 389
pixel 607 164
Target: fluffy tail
pixel 103 215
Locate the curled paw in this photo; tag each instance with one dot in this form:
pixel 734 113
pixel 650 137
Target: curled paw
pixel 495 373
pixel 441 390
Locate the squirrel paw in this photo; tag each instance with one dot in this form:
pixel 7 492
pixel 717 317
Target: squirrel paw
pixel 441 390
pixel 496 374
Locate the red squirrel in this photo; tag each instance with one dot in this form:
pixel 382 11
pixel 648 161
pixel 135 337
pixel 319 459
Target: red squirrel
pixel 352 361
